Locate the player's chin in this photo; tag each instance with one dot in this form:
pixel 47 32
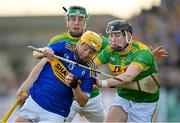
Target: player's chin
pixel 117 48
pixel 77 30
pixel 84 59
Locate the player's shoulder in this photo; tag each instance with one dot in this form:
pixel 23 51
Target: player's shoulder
pixel 65 46
pixel 109 49
pixel 139 45
pixel 141 49
pixel 58 37
pixel 91 65
pixel 69 46
pixel 103 37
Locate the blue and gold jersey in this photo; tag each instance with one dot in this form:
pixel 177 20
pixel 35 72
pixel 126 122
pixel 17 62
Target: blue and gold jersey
pixel 66 37
pixel 50 91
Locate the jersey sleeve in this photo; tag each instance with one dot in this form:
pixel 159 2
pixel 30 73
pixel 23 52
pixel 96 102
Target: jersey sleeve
pixel 143 59
pixel 56 38
pixel 88 80
pixel 103 57
pixel 58 47
pixel 87 84
pixel 105 42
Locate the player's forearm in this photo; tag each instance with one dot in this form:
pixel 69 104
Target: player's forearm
pixel 38 55
pixel 33 75
pixel 80 96
pixel 124 79
pixel 127 77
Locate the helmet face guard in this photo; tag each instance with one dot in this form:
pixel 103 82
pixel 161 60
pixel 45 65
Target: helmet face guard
pixel 76 11
pixel 120 26
pixel 93 40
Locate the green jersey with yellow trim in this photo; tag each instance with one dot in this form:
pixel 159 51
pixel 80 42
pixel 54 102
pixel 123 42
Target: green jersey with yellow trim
pixel 66 37
pixel 138 54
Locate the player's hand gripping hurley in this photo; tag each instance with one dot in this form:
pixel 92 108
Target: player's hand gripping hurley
pixel 12 108
pixel 149 80
pixel 75 63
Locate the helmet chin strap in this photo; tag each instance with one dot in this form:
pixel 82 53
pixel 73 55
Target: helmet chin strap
pixel 126 45
pixel 127 40
pixel 76 35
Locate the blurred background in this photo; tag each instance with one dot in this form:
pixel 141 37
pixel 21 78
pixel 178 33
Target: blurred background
pixel 35 22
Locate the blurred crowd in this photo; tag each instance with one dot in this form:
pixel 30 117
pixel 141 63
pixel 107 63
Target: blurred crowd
pixel 161 26
pixel 155 27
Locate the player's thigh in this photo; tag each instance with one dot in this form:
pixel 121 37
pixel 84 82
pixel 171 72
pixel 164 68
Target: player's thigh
pixel 142 112
pixel 116 114
pixel 33 112
pixel 47 116
pixel 96 115
pixel 94 111
pixel 28 111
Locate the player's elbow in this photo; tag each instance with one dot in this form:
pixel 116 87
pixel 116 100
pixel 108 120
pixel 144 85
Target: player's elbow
pixel 84 102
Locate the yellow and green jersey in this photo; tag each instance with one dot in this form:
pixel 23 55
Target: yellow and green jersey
pixel 66 37
pixel 138 54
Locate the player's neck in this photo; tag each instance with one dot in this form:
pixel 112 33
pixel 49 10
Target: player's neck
pixel 126 50
pixel 73 35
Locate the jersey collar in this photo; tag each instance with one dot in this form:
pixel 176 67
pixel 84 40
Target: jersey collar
pixel 127 50
pixel 71 37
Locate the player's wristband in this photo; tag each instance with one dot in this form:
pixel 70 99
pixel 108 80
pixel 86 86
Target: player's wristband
pixel 74 83
pixel 104 83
